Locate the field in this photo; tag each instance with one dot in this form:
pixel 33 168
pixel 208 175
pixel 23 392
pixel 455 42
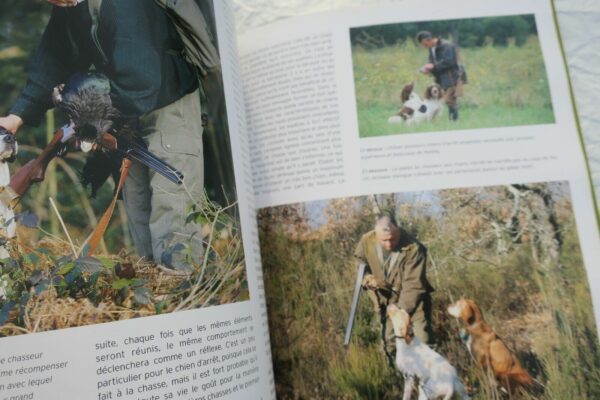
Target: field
pixel 507 86
pixel 513 249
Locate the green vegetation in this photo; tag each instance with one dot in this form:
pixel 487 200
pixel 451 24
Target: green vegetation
pixel 44 286
pixel 42 289
pixel 21 26
pixel 507 86
pixel 469 32
pixel 513 249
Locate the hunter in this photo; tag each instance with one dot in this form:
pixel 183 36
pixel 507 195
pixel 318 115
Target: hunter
pixel 137 47
pixel 396 274
pixel 444 66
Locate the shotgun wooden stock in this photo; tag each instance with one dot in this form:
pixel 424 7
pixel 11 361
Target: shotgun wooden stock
pixel 35 170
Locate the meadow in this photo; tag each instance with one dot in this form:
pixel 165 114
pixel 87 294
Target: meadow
pixel 507 86
pixel 513 249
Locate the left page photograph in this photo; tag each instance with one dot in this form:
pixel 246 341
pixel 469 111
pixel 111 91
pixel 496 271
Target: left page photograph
pixel 127 265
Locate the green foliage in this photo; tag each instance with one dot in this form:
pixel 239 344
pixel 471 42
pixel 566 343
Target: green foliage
pixel 41 290
pixel 543 313
pixel 22 24
pixel 507 86
pixel 471 32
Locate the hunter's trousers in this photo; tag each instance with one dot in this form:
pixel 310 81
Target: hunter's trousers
pixel 157 208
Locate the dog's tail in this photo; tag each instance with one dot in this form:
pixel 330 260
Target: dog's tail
pixel 521 378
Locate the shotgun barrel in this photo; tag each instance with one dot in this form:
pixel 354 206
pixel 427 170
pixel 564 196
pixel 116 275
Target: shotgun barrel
pixel 357 288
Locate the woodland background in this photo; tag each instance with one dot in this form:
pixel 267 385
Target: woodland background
pixel 21 26
pixel 513 249
pixel 44 285
pixel 507 78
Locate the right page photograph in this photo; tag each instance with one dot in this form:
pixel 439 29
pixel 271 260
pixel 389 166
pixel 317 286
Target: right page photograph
pixel 499 266
pixel 426 217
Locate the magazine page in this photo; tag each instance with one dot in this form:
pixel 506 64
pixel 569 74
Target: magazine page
pixel 423 196
pixel 160 297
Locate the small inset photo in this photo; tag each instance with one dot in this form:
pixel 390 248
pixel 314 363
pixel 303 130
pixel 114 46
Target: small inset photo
pixel 445 75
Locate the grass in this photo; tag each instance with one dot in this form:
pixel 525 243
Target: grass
pixel 45 288
pixel 373 121
pixel 507 86
pixel 546 317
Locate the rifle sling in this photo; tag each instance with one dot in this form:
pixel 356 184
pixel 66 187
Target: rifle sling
pixel 94 239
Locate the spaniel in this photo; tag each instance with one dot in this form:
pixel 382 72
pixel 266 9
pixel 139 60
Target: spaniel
pixel 416 110
pixel 437 378
pixel 488 350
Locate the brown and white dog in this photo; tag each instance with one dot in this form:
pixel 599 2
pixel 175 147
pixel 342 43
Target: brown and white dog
pixel 8 153
pixel 416 110
pixel 489 351
pixel 436 377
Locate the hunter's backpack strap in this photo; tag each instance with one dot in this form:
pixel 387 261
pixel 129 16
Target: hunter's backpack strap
pixel 94 7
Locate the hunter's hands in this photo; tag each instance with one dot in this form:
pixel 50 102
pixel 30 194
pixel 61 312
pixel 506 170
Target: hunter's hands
pixel 426 69
pixel 11 123
pixel 370 282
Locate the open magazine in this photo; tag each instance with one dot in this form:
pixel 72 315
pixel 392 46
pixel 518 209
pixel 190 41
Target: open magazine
pixel 383 201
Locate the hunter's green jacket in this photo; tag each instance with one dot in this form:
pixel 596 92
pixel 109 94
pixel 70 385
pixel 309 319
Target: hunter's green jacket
pixel 144 52
pixel 404 268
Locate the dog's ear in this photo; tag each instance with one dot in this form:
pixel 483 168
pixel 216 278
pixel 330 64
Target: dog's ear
pixel 473 312
pixel 471 317
pixel 406 113
pixel 406 332
pixel 406 91
pixel 476 314
pixel 408 335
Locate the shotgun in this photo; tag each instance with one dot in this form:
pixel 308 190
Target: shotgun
pixel 34 170
pixel 135 151
pixel 357 288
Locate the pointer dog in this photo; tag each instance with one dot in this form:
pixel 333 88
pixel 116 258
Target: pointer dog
pixel 437 378
pixel 487 348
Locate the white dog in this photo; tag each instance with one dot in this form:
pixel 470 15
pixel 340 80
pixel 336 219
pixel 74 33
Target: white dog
pixel 437 378
pixel 8 152
pixel 415 110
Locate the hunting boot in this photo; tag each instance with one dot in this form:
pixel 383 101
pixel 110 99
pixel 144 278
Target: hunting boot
pixel 452 113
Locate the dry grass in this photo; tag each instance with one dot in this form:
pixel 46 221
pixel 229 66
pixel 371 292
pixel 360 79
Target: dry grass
pixel 46 289
pixel 309 277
